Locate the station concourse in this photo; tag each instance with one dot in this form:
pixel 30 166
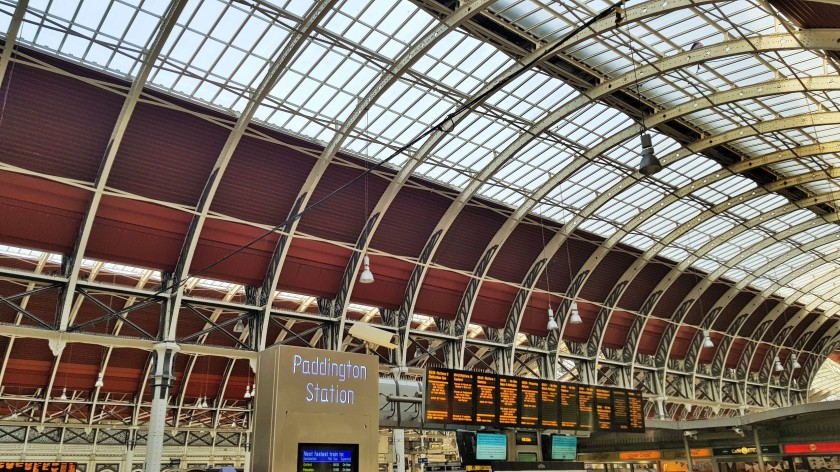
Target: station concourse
pixel 569 198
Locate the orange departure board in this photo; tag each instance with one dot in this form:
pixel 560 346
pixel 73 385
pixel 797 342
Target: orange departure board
pixel 463 397
pixel 621 410
pixel 549 405
pixel 529 406
pixel 437 395
pixel 487 393
pixel 487 399
pixel 603 409
pixel 569 407
pixel 636 412
pixel 508 401
pixel 586 406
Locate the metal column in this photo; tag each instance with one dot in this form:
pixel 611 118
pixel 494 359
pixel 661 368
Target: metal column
pixel 163 358
pixel 688 458
pixel 758 453
pixel 399 449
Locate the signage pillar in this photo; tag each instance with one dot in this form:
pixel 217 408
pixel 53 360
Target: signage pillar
pixel 399 449
pixel 163 357
pixel 758 450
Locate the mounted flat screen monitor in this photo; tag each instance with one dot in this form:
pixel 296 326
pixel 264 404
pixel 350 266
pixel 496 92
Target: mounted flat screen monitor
pixel 490 447
pixel 526 456
pixel 328 458
pixel 563 448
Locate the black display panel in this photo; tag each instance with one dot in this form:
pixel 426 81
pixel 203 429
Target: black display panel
pixel 635 404
pixel 529 406
pixel 328 458
pixel 621 410
pixel 586 407
pixel 569 409
pixel 603 418
pixel 527 438
pixel 463 397
pixel 508 401
pixel 486 399
pixel 438 390
pixel 549 405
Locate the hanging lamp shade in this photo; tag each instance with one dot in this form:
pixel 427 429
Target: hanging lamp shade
pixel 239 327
pixel 366 276
pixel 552 323
pixel 650 164
pixel 707 340
pixel 574 316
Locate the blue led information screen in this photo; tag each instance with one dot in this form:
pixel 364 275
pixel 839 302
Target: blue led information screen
pixel 563 448
pixel 490 447
pixel 328 458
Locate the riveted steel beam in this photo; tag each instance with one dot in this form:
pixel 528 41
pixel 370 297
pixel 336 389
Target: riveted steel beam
pixel 666 342
pixel 389 77
pixel 12 36
pixel 72 269
pixel 636 13
pixel 279 65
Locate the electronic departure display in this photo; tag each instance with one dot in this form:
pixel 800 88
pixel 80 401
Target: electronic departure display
pixel 549 401
pixel 463 397
pixel 586 406
pixel 485 399
pixel 569 409
pixel 486 395
pixel 437 395
pixel 636 412
pixel 603 409
pixel 621 410
pixel 529 406
pixel 328 458
pixel 508 401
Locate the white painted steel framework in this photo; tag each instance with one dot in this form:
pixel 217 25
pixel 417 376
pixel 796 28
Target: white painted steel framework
pixel 743 112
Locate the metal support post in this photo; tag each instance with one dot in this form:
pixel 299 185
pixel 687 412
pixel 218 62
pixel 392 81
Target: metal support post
pixel 661 414
pixel 758 453
pixel 129 450
pixel 163 358
pixel 688 458
pixel 399 449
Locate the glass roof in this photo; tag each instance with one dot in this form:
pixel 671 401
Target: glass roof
pixel 219 51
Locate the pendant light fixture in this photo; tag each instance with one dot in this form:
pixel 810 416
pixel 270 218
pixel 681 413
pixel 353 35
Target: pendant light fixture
pixel 366 276
pixel 649 164
pixel 778 364
pixel 63 396
pixel 552 323
pixel 239 327
pixel 796 364
pixel 248 391
pixel 707 340
pixel 99 382
pixel 574 316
